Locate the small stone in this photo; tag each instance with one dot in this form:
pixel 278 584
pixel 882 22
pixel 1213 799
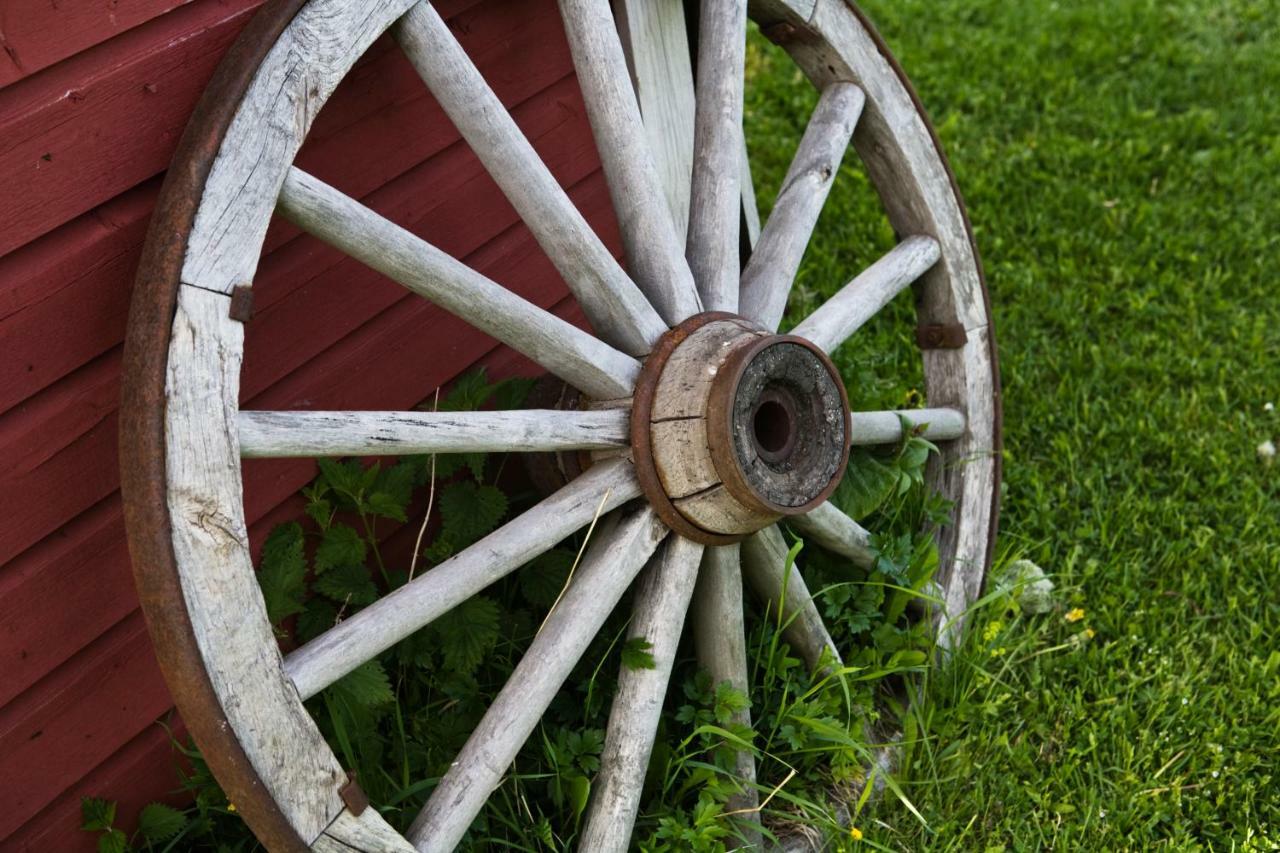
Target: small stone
pixel 1028 585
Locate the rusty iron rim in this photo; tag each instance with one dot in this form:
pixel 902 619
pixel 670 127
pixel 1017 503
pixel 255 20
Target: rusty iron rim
pixel 641 441
pixel 720 423
pixel 997 426
pixel 142 429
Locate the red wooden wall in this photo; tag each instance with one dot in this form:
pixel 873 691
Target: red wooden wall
pixel 93 97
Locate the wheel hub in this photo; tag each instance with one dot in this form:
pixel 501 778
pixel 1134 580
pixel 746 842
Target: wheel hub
pixel 734 427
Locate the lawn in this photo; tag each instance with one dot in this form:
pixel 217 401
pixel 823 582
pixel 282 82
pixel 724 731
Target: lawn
pixel 1121 164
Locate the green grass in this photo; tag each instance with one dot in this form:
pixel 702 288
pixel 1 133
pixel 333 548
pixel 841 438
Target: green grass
pixel 1121 163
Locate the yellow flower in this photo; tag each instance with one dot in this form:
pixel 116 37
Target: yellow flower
pixel 231 806
pixel 1075 614
pixel 855 833
pixel 1089 632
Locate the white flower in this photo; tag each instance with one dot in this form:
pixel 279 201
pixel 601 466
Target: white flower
pixel 1268 407
pixel 1267 452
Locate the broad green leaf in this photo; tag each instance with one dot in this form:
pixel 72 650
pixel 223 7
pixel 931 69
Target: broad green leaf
pixel 469 511
pixel 542 579
pixel 467 633
pixel 158 822
pixel 319 616
pixel 348 583
pixel 113 841
pixel 636 654
pixel 341 545
pixel 866 485
pixel 97 814
pixel 367 685
pixel 282 574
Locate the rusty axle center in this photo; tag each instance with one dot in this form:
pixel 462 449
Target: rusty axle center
pixel 734 427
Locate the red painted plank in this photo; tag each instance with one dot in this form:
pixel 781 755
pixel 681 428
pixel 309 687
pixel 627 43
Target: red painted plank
pixel 76 718
pixel 144 771
pixel 35 35
pixel 108 119
pixel 63 298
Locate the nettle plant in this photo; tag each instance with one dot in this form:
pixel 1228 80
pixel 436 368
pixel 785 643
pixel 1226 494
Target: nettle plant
pixel 399 720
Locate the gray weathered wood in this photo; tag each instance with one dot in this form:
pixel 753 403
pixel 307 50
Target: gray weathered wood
pixel 211 550
pixel 657 47
pixel 655 256
pixel 720 639
pixel 715 203
pixel 750 210
pixel 614 557
pixel 911 177
pixel 368 833
pixel 295 80
pixel 859 300
pixel 570 353
pixel 612 302
pixel 764 565
pixel 768 277
pixel 435 592
pixel 868 428
pixel 312 434
pixel 661 601
pixel 832 529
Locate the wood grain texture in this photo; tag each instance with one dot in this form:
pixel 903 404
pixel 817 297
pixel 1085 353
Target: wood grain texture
pixel 311 434
pixel 868 428
pixel 353 641
pixel 367 833
pixel 211 551
pixel 720 640
pixel 661 600
pixel 715 202
pixel 299 74
pixel 767 279
pixel 783 592
pixel 581 360
pixel 655 256
pixel 614 557
pixel 615 306
pixel 859 300
pixel 838 533
pixel 657 47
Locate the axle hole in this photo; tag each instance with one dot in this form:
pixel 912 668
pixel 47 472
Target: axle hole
pixel 772 425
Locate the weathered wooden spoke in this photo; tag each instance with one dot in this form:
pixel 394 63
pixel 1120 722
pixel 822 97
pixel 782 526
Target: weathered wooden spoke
pixel 611 300
pixel 432 594
pixel 767 279
pixel 859 300
pixel 661 599
pixel 653 250
pixel 613 559
pixel 560 347
pixel 715 196
pixel 832 529
pixel 783 591
pixel 725 432
pixel 312 434
pixel 721 642
pixel 886 427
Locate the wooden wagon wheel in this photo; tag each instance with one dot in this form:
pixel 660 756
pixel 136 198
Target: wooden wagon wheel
pixel 717 427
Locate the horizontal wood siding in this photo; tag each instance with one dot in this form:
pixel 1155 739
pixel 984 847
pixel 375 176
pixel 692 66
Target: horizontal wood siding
pixel 93 97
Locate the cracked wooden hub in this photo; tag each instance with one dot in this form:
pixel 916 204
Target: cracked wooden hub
pixel 734 427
